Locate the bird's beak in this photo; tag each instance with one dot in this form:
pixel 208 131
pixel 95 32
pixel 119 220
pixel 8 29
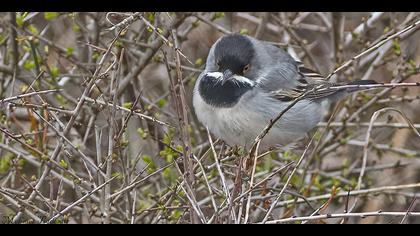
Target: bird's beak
pixel 227 74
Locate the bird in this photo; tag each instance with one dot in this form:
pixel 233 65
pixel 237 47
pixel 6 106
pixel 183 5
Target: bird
pixel 247 82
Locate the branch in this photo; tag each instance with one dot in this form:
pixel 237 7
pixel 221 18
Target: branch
pixel 343 215
pixel 413 26
pixel 29 95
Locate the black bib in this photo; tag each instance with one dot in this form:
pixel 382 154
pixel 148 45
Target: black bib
pixel 227 95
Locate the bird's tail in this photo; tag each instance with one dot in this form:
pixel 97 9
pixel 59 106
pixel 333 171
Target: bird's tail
pixel 357 83
pixel 336 92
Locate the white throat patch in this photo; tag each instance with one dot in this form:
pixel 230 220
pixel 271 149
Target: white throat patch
pixel 242 79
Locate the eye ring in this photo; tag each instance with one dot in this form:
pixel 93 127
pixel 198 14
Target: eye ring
pixel 246 68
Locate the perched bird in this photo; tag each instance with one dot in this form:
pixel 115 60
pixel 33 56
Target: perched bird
pixel 247 82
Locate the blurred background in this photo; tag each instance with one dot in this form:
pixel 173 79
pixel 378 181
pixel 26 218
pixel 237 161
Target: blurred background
pixel 96 119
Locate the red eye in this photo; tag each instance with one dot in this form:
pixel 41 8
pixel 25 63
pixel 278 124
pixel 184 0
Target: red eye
pixel 246 68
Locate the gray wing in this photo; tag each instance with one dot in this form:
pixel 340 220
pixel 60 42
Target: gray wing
pixel 287 78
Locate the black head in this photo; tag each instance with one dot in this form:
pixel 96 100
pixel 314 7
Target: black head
pixel 233 55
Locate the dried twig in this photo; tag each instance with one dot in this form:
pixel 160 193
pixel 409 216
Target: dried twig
pixel 342 215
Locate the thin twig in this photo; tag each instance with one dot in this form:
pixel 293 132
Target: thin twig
pixel 342 215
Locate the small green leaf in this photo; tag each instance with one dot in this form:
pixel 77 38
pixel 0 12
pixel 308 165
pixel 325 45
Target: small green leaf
pixel 167 138
pixel 148 160
pixel 33 29
pixel 412 63
pixel 157 58
pixel 169 175
pixel 75 28
pixel 50 15
pixel 150 17
pixel 5 162
pixel 336 182
pixel 72 14
pixel 317 135
pixel 58 221
pixel 69 51
pixel 143 133
pixel 355 35
pixel 118 175
pixel 26 48
pixel 124 143
pixel 196 24
pixel 95 56
pixel 397 47
pixel 286 154
pixel 20 163
pixel 128 105
pixel 318 184
pixel 29 65
pixel 346 162
pixel 118 44
pixel 61 100
pixel 179 148
pixel 20 18
pixel 54 71
pixel 218 15
pixel 241 151
pixel 2 39
pixel 176 214
pixel 409 155
pixel 161 103
pixel 353 182
pixel 199 61
pixel 63 164
pixel 244 31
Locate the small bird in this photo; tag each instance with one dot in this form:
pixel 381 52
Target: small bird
pixel 247 82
